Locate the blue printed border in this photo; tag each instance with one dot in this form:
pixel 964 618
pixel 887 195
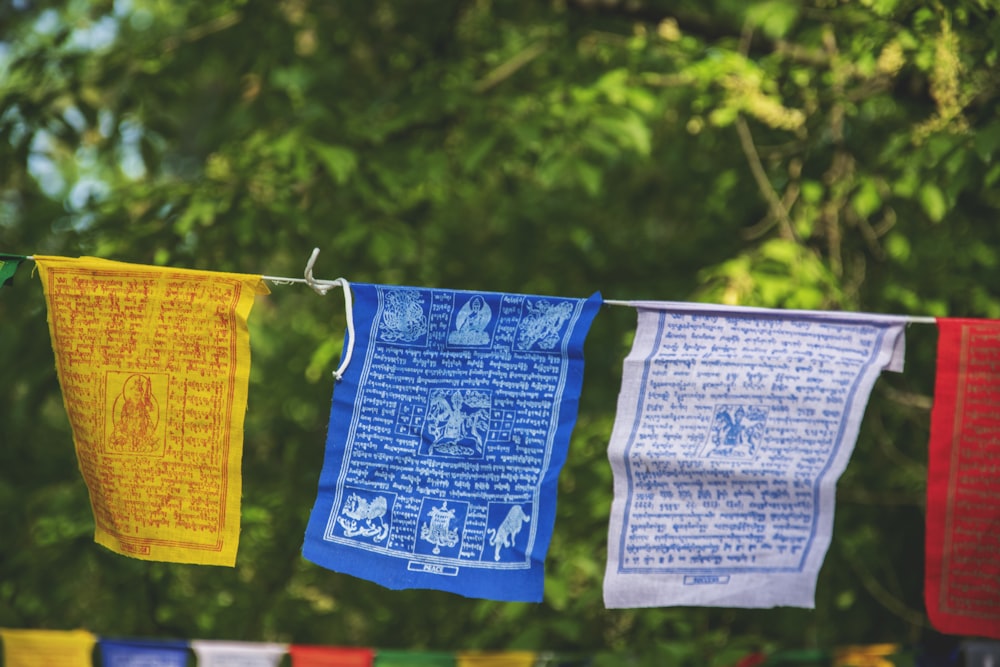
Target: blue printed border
pixel 863 375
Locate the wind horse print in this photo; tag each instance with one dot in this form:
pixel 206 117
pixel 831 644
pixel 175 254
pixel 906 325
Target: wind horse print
pixel 447 434
pixel 733 426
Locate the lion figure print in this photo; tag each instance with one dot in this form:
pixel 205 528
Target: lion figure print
pixel 503 536
pixel 364 517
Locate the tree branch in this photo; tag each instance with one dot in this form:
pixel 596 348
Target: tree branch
pixel 778 210
pixel 507 69
pixel 194 33
pixel 881 595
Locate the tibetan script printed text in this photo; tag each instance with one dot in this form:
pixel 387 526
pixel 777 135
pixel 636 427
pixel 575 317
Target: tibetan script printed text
pixel 963 546
pixel 451 432
pixel 722 453
pixel 153 365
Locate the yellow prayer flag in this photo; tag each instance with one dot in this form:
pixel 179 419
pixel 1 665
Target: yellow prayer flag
pixel 52 648
pixel 495 659
pixel 871 655
pixel 154 365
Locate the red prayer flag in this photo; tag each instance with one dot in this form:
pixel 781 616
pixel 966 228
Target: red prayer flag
pixel 962 585
pixel 330 656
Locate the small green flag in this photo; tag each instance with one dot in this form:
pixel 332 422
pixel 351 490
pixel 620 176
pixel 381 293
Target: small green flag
pixel 385 658
pixel 8 266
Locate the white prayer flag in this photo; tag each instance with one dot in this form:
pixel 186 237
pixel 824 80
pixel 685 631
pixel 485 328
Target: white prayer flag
pixel 212 653
pixel 733 426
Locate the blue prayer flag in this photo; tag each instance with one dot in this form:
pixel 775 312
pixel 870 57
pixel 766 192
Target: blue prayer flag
pixel 447 435
pixel 143 652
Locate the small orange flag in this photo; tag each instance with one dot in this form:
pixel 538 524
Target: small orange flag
pixel 52 648
pixel 154 364
pixel 330 656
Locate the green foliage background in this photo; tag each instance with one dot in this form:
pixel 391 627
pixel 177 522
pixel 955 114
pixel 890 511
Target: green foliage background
pixel 817 154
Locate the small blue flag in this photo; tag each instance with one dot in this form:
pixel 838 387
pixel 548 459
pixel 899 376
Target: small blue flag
pixel 143 652
pixel 446 438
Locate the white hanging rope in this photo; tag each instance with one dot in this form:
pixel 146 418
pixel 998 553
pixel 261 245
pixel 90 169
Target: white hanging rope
pixel 753 310
pixel 321 287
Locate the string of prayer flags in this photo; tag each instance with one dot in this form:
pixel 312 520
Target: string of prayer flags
pixel 216 653
pixel 154 363
pixel 8 267
pixel 52 648
pixel 733 426
pixel 330 656
pixel 388 658
pixel 142 652
pixel 447 434
pixel 962 564
pixel 495 659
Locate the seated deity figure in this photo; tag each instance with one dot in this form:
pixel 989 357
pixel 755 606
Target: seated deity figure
pixel 471 322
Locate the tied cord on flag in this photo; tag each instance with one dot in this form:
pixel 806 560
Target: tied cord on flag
pixel 319 286
pixel 454 369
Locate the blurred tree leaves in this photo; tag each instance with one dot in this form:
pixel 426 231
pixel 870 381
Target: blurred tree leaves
pixel 800 154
